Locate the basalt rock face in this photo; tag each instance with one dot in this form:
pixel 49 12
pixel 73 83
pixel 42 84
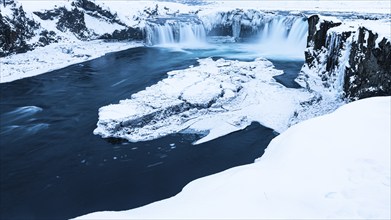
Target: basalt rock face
pixel 369 73
pixel 317 38
pixel 354 62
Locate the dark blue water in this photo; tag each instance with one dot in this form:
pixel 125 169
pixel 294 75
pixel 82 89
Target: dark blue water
pixel 291 69
pixel 53 167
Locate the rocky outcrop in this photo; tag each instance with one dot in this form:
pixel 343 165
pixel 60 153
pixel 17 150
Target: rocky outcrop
pixel 15 31
pixel 21 32
pixel 97 11
pixel 317 37
pixel 124 34
pixel 369 72
pixel 73 21
pixel 351 61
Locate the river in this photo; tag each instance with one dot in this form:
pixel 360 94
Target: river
pixel 53 167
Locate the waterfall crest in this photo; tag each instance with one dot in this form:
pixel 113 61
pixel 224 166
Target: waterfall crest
pixel 285 36
pixel 175 32
pixel 276 35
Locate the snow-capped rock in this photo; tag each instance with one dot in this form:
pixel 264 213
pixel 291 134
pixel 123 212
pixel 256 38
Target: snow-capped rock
pixel 369 71
pixel 84 20
pixel 347 58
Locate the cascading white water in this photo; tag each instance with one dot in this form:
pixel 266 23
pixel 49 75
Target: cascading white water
pixel 191 33
pixel 279 36
pixel 182 33
pixel 284 36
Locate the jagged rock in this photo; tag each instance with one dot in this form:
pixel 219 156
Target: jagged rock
pixel 316 37
pixel 96 11
pixel 356 63
pixel 125 34
pixel 369 73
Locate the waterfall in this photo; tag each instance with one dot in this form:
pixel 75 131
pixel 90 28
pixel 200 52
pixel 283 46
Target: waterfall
pixel 177 32
pixel 284 36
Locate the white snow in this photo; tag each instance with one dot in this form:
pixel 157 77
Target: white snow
pixel 380 27
pixel 364 6
pixel 55 56
pixel 218 97
pixel 335 166
pixel 100 26
pixel 128 11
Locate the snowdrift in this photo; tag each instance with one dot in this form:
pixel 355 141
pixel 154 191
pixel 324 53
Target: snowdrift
pixel 334 166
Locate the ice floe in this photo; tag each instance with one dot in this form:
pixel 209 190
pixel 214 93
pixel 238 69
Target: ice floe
pixel 216 97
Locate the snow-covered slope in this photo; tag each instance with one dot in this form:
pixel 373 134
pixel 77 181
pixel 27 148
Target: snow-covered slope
pixel 335 166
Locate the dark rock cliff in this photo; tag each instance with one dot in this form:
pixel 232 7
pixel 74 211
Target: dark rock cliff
pixel 355 62
pixel 369 73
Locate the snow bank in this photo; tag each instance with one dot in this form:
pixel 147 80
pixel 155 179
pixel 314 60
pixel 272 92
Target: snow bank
pixel 335 166
pixel 55 56
pixel 217 96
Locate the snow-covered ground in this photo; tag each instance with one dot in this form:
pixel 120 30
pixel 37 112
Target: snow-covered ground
pixel 55 56
pixel 365 6
pixel 336 166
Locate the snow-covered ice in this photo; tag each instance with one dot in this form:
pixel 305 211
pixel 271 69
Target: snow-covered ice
pixel 218 97
pixel 336 166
